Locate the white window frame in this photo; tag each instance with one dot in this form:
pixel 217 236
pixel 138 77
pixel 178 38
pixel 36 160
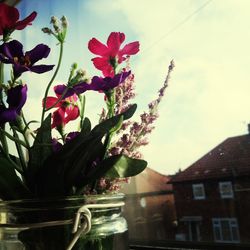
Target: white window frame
pixel 200 186
pixel 233 223
pixel 226 195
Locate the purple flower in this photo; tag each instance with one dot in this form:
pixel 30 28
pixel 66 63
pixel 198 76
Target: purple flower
pixel 16 98
pixel 71 136
pixel 56 145
pixel 12 53
pixel 97 84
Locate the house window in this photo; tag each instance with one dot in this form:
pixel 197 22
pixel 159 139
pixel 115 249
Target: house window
pixel 198 191
pixel 226 230
pixel 226 190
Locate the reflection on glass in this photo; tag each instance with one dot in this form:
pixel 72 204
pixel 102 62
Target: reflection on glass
pixel 206 203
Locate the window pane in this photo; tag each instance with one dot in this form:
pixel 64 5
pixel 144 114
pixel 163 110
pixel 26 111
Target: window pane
pixel 217 234
pixel 235 234
pixel 226 234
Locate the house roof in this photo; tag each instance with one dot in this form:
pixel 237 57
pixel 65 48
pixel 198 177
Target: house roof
pixel 230 158
pixel 148 181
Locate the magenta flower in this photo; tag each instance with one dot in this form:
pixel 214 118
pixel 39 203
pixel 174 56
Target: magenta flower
pixel 12 53
pixel 67 109
pixel 16 98
pixel 9 19
pixel 111 54
pixel 97 84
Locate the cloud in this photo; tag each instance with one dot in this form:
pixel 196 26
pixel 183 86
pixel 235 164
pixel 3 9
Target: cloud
pixel 207 98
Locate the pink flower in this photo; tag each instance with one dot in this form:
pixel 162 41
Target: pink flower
pixel 67 109
pixel 9 19
pixel 111 54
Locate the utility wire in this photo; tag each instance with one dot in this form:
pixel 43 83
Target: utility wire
pixel 178 25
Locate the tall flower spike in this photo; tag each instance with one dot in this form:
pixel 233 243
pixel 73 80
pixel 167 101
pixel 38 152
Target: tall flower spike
pixel 111 54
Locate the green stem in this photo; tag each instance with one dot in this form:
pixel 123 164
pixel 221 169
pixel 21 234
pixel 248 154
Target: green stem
pixel 51 81
pixel 58 100
pixel 1 81
pixel 27 127
pixel 111 112
pixel 3 138
pixel 20 152
pixel 82 110
pixel 13 138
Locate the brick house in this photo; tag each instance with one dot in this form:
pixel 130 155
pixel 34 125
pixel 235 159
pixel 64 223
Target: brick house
pixel 149 208
pixel 212 196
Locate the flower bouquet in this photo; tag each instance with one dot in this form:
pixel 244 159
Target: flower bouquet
pixel 51 164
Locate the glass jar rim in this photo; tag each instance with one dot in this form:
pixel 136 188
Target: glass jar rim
pixel 92 197
pixel 56 202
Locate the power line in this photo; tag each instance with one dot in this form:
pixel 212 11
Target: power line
pixel 178 25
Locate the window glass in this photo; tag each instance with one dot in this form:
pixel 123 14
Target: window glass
pixel 226 190
pixel 198 191
pixel 226 230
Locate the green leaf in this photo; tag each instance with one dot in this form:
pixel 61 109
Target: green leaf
pixel 72 165
pixel 126 167
pixel 40 150
pixel 11 187
pixel 86 126
pixel 118 126
pixel 99 171
pixel 129 112
pixel 105 126
pixel 68 171
pixel 82 160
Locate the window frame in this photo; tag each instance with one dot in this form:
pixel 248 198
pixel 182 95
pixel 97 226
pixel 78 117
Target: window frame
pixel 223 195
pixel 199 185
pixel 232 223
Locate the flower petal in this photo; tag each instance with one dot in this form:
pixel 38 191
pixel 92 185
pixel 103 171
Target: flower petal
pixel 114 42
pixel 97 48
pixel 109 71
pixel 56 145
pixel 58 117
pixel 37 53
pixel 7 115
pixel 59 89
pixel 102 63
pixel 72 113
pixel 16 97
pixel 81 87
pixel 26 21
pixel 130 49
pixel 70 136
pixel 19 69
pixel 12 49
pixel 50 101
pixel 8 17
pixel 41 68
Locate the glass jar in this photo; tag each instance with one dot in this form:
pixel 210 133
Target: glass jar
pixel 47 224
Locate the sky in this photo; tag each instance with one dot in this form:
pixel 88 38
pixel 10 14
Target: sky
pixel 207 99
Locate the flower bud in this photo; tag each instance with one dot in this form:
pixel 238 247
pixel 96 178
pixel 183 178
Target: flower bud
pixel 46 30
pixel 55 22
pixel 64 21
pixel 74 66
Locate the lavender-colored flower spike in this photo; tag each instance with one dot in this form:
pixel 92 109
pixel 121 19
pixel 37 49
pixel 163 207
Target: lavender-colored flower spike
pixel 137 136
